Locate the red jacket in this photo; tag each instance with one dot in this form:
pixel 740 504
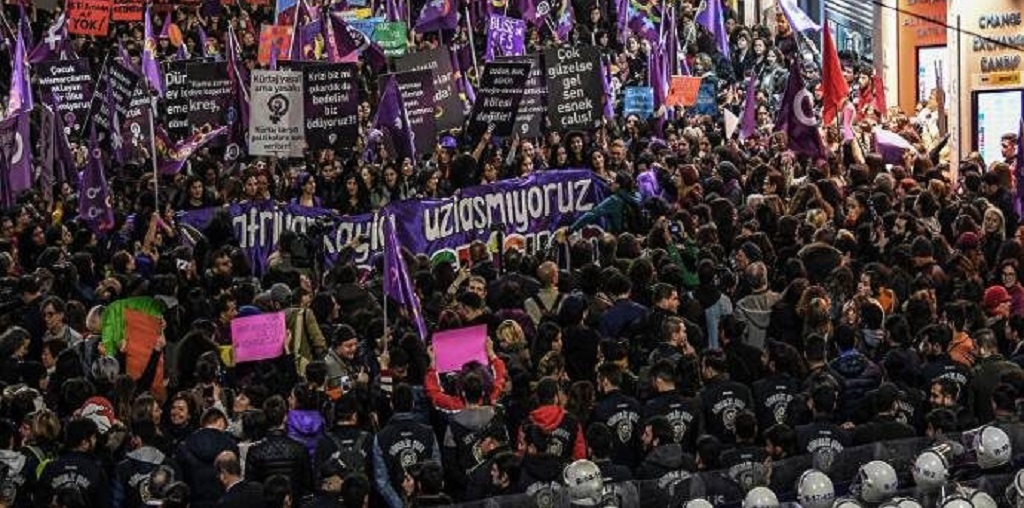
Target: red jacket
pixel 549 418
pixel 447 402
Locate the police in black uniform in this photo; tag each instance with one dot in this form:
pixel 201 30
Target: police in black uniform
pixel 402 443
pixel 683 413
pixel 721 398
pixel 620 412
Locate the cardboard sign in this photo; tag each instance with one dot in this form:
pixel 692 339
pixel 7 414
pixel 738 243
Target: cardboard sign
pixel 391 37
pixel 270 36
pixel 446 100
pixel 141 333
pixel 277 122
pixel 683 91
pixel 639 101
pixel 258 337
pixel 575 91
pixel 498 96
pixel 454 348
pixel 127 10
pixel 89 17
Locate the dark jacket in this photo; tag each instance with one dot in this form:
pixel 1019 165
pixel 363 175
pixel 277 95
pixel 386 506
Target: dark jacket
pixel 132 474
pixel 988 372
pixel 612 472
pixel 722 400
pixel 78 469
pixel 882 428
pixel 278 454
pixel 823 440
pixel 623 318
pixel 346 436
pixel 685 414
pixel 244 494
pixel 772 396
pixel 858 376
pixel 195 456
pixel 306 427
pixel 621 413
pixel 664 459
pixel 580 343
pixel 539 471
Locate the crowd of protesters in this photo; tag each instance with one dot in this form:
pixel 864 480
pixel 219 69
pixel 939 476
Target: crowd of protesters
pixel 742 305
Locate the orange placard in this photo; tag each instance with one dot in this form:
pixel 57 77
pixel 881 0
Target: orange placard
pixel 683 91
pixel 89 17
pixel 271 35
pixel 141 332
pixel 127 10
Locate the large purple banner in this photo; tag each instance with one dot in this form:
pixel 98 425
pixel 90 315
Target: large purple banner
pixel 527 210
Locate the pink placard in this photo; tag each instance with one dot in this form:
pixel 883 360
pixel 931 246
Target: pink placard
pixel 453 348
pixel 258 337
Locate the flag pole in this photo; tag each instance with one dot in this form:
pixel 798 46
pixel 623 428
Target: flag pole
pixel 472 45
pixel 152 153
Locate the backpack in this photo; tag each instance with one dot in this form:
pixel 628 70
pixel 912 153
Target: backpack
pixel 43 458
pixel 350 457
pixel 548 313
pixel 10 483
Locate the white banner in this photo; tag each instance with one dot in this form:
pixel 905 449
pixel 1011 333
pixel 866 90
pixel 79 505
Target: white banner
pixel 277 120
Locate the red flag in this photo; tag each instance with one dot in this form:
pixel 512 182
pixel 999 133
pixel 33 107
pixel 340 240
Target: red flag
pixel 835 89
pixel 879 89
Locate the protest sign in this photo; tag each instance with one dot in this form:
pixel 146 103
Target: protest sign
pixel 272 36
pixel 455 348
pixel 175 111
pixel 449 114
pixel 575 92
pixel 497 99
pixel 534 104
pixel 639 101
pixel 707 98
pixel 127 10
pixel 530 211
pixel 122 82
pixel 258 337
pixel 68 85
pixel 332 104
pixel 365 26
pixel 276 124
pixel 209 94
pixel 417 90
pixel 505 37
pixel 89 17
pixel 136 126
pixel 141 332
pixel 391 37
pixel 682 91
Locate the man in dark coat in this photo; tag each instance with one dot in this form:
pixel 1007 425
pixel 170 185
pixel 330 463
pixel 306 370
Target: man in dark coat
pixel 278 454
pixel 197 453
pixel 238 492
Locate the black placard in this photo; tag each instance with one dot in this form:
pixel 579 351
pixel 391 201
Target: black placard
pixel 534 105
pixel 332 105
pixel 450 111
pixel 497 100
pixel 574 84
pixel 67 84
pixel 209 95
pixel 175 102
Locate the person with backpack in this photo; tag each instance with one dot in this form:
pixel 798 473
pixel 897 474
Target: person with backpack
pixel 467 429
pixel 621 208
pixel 42 445
pixel 564 430
pixel 345 444
pixel 544 305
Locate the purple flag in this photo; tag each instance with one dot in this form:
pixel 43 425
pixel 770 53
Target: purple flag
pixel 178 154
pixel 346 39
pixel 797 118
pixel 126 60
pixel 643 17
pixel 274 52
pixel 20 93
pixel 115 140
pixel 609 97
pixel 16 144
pixel 165 29
pixel 93 193
pixel 712 19
pixel 6 197
pixel 798 19
pixel 505 37
pixel 891 146
pixel 204 43
pixel 55 45
pixel 182 53
pixel 150 66
pixel 462 84
pixel 239 122
pixel 658 74
pixel 24 27
pixel 393 122
pixel 437 15
pixel 565 21
pixel 396 10
pixel 748 124
pixel 397 283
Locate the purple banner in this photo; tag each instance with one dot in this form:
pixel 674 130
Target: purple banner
pixel 67 84
pixel 209 95
pixel 497 99
pixel 332 105
pixel 417 89
pixel 529 210
pixel 505 37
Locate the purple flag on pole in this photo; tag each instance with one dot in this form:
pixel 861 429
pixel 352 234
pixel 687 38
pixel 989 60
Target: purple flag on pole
pixel 115 140
pixel 713 19
pixel 891 146
pixel 798 19
pixel 274 52
pixel 165 29
pixel 659 77
pixel 93 193
pixel 204 48
pixel 397 283
pixel 393 122
pixel 643 17
pixel 20 98
pixel 6 197
pixel 150 66
pixel 505 37
pixel 797 118
pixel 566 21
pixel 239 76
pixel 15 142
pixel 437 15
pixel 396 10
pixel 24 26
pixel 346 39
pixel 748 124
pixel 609 96
pixel 55 45
pixel 179 154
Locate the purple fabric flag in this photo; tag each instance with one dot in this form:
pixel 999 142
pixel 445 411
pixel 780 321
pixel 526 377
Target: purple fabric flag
pixel 178 154
pixel 891 146
pixel 798 19
pixel 659 77
pixel 437 15
pixel 239 76
pixel 713 19
pixel 6 197
pixel 644 18
pixel 307 42
pixel 347 39
pixel 14 138
pixel 393 121
pixel 115 140
pixel 274 52
pixel 55 45
pixel 204 48
pixel 505 37
pixel 24 26
pixel 93 193
pixel 165 29
pixel 566 21
pixel 609 97
pixel 20 98
pixel 182 53
pixel 462 84
pixel 797 118
pixel 150 66
pixel 748 124
pixel 396 10
pixel 65 161
pixel 397 283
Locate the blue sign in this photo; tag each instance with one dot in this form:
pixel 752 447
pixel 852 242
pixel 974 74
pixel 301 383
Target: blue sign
pixel 639 101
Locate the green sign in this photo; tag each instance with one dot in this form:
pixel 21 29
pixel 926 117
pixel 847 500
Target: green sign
pixel 392 37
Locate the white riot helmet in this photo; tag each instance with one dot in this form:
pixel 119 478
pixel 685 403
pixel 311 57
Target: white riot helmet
pixel 584 480
pixel 761 497
pixel 930 470
pixel 901 502
pixel 979 498
pixel 875 482
pixel 1015 490
pixel 815 490
pixel 698 503
pixel 846 503
pixel 992 446
pixel 956 500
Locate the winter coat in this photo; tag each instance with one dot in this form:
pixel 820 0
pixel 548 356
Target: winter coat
pixel 306 427
pixel 858 376
pixel 195 456
pixel 755 311
pixel 278 454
